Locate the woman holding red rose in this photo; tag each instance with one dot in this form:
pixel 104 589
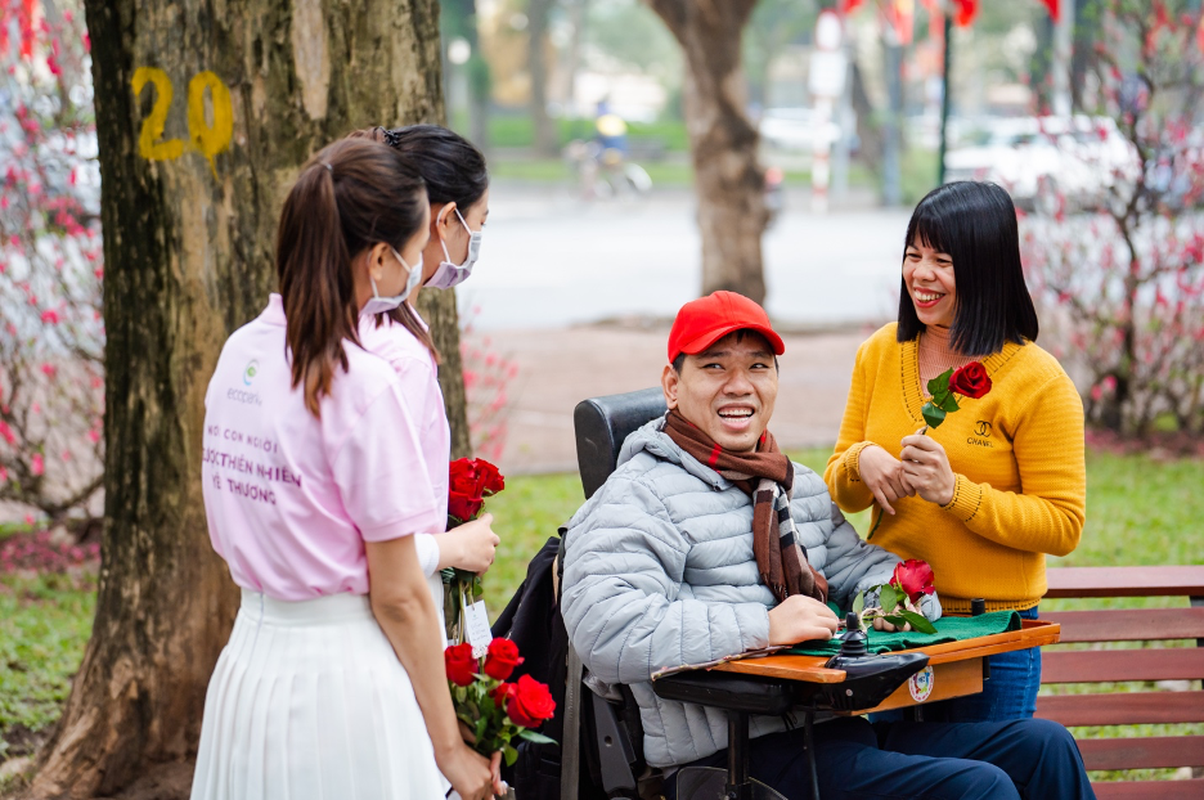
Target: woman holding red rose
pixel 1002 482
pixel 457 184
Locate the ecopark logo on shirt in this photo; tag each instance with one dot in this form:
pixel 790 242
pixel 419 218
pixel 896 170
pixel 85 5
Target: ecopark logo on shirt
pixel 241 395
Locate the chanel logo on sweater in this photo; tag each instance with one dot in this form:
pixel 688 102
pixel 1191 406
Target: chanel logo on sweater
pixel 982 434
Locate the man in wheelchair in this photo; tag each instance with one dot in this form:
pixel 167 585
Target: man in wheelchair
pixel 689 553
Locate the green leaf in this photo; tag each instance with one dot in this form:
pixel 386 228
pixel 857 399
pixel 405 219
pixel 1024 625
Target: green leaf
pixel 537 738
pixel 510 755
pixel 889 597
pixel 940 384
pixel 948 404
pixel 918 621
pixel 932 415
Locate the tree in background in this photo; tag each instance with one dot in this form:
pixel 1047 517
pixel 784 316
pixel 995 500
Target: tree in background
pixel 728 181
pixel 458 19
pixel 774 24
pixel 204 113
pixel 1126 284
pixel 52 339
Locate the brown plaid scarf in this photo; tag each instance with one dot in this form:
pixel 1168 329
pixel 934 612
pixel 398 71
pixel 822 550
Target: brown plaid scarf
pixel 767 476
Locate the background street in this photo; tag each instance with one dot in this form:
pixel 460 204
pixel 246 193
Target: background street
pixel 580 297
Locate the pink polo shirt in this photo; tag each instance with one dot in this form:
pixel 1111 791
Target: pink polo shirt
pixel 291 498
pixel 424 398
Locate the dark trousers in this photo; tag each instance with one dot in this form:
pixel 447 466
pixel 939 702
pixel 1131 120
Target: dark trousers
pixel 1029 758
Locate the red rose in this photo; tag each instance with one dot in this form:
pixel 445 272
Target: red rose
pixel 502 693
pixel 489 479
pixel 971 380
pixel 463 506
pixel 462 476
pixel 460 665
pixel 502 659
pixel 531 703
pixel 914 577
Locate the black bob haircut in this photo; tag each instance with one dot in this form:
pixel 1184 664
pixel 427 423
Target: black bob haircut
pixel 975 224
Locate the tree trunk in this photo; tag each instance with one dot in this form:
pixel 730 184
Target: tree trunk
pixel 438 308
pixel 728 181
pixel 537 65
pixel 188 246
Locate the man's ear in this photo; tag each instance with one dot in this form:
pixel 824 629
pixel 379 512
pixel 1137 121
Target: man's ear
pixel 669 381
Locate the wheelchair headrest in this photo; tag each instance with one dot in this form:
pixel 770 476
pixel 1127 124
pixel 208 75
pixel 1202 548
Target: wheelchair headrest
pixel 601 425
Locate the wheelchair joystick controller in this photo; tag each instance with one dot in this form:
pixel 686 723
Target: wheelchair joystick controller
pixel 869 678
pixel 852 643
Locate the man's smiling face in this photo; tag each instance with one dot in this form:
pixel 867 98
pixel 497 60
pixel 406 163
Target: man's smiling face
pixel 727 390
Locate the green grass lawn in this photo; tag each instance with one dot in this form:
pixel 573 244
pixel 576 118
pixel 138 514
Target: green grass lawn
pixel 1140 510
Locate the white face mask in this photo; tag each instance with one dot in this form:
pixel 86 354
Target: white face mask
pixel 449 274
pixel 379 305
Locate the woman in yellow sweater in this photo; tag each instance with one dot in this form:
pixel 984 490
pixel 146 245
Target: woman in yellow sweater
pixel 1002 482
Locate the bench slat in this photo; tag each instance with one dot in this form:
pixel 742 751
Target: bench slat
pixel 1122 708
pixel 1129 624
pixel 1150 752
pixel 1184 581
pixel 1143 790
pixel 1093 666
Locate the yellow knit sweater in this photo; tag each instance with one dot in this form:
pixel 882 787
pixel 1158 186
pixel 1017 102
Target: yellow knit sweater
pixel 1016 454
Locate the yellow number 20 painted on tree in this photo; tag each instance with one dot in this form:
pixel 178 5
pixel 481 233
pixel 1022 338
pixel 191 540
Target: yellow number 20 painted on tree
pixel 208 140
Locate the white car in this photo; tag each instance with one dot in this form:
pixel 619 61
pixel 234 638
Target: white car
pixel 796 129
pixel 1049 162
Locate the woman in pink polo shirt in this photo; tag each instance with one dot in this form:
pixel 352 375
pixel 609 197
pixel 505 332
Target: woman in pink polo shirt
pixel 457 184
pixel 332 683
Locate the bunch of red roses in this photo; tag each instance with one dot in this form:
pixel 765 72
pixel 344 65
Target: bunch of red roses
pixel 495 710
pixel 898 600
pixel 470 481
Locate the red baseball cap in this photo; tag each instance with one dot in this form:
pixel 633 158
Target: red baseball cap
pixel 702 322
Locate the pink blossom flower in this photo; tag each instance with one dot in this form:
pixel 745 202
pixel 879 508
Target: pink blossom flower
pixel 49 369
pixel 36 464
pixel 51 316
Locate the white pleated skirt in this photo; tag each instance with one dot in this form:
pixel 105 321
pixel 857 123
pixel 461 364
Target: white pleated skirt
pixel 309 702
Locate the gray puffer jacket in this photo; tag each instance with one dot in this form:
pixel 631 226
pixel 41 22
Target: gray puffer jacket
pixel 659 571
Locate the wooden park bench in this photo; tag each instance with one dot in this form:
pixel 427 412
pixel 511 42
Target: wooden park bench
pixel 1123 694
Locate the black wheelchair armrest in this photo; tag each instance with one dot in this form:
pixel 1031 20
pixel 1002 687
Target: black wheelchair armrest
pixel 729 692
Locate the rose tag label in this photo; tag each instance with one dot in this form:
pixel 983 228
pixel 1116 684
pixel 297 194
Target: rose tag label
pixel 477 631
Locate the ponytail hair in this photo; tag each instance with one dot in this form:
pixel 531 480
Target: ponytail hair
pixel 350 196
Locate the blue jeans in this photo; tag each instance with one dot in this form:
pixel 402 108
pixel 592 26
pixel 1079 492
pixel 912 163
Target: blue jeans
pixel 1028 758
pixel 1011 692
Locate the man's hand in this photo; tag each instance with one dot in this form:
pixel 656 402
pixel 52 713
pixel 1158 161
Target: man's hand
pixel 926 469
pixel 882 474
pixel 800 618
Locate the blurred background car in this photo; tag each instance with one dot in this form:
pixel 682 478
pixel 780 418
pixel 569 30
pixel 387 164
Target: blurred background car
pixel 1048 162
pixel 798 129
